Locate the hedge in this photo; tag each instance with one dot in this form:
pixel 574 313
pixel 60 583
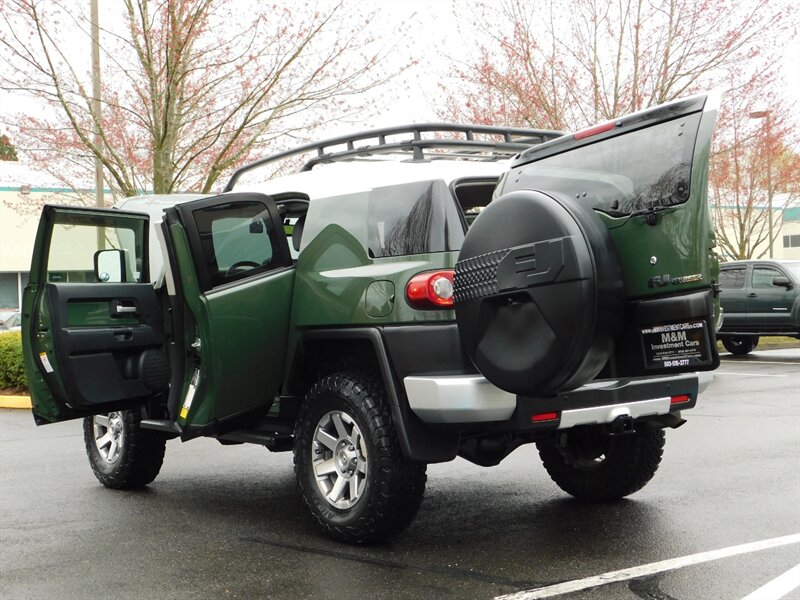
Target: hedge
pixel 12 369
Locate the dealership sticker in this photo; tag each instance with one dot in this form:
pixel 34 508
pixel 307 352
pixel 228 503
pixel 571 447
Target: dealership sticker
pixel 45 362
pixel 676 345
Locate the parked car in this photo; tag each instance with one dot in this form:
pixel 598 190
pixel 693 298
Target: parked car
pixel 12 323
pixel 759 298
pixel 411 295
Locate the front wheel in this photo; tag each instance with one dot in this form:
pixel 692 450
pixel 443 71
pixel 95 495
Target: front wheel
pixel 593 465
pixel 350 469
pixel 740 344
pixel 123 455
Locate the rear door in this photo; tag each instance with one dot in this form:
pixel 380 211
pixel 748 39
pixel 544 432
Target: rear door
pixel 92 326
pixel 733 297
pixel 233 279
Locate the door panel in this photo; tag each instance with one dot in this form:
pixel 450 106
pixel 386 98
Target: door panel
pixel 235 277
pixel 769 306
pixel 733 297
pixel 91 345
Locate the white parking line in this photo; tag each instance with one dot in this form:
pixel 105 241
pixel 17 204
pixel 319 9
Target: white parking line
pixel 778 587
pixel 758 362
pixel 650 569
pixel 747 374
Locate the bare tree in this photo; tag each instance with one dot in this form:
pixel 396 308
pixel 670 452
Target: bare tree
pixel 572 63
pixel 190 88
pixel 754 173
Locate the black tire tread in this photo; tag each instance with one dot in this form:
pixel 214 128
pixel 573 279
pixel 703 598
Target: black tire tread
pixel 740 345
pixel 140 460
pixel 399 483
pixel 632 463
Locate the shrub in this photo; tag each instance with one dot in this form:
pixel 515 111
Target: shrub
pixel 12 369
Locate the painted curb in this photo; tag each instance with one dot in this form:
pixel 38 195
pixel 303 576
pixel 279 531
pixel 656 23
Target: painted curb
pixel 15 402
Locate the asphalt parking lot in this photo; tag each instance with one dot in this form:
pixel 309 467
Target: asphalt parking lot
pixel 225 522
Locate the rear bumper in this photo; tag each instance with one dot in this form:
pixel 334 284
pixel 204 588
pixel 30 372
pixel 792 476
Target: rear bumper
pixel 470 399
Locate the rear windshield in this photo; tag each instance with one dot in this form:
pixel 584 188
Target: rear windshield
pixel 643 169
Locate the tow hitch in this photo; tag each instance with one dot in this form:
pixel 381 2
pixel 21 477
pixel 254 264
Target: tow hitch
pixel 622 424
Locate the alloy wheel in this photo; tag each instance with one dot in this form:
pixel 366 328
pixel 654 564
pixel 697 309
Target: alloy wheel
pixel 109 435
pixel 339 459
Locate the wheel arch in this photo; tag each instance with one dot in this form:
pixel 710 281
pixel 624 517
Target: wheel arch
pixel 325 351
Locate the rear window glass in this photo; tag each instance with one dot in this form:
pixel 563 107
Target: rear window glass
pixel 413 218
pixel 643 169
pixel 732 279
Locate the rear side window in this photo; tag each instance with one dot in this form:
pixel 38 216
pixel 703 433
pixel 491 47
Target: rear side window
pixel 236 239
pixel 732 279
pixel 643 169
pixel 413 218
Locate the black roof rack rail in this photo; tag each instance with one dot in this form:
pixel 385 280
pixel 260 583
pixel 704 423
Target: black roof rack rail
pixel 514 140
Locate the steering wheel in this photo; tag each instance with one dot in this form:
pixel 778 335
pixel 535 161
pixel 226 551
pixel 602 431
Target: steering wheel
pixel 242 264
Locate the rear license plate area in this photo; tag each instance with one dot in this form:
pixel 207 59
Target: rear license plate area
pixel 680 345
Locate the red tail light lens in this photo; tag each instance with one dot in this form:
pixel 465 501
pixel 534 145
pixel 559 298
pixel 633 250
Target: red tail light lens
pixel 542 417
pixel 679 399
pixel 431 290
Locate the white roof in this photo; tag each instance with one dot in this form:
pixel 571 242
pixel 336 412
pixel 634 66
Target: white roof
pixel 358 176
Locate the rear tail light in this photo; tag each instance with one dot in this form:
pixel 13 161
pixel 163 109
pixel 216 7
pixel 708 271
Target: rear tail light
pixel 542 417
pixel 431 290
pixel 679 399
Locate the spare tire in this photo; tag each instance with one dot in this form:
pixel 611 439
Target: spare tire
pixel 539 293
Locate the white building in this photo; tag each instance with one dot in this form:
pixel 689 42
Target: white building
pixel 23 191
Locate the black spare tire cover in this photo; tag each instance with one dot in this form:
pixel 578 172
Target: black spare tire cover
pixel 538 293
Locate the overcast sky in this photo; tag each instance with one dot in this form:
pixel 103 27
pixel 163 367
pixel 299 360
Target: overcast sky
pixel 432 37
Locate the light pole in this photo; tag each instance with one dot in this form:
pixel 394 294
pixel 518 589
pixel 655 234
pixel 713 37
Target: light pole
pixel 96 107
pixel 767 116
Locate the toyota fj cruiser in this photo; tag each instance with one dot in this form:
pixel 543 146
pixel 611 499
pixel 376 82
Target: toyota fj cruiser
pixel 409 296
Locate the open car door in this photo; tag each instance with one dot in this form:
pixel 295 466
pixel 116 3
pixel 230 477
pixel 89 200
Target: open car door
pixel 231 285
pixel 93 326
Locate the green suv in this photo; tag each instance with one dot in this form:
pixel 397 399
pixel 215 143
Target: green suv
pixel 409 296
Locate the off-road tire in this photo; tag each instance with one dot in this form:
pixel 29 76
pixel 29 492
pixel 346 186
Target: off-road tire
pixel 393 487
pixel 740 344
pixel 139 459
pixel 592 465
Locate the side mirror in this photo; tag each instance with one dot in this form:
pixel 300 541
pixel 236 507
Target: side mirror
pixel 782 282
pixel 109 266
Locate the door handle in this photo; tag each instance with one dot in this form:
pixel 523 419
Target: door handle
pixel 752 295
pixel 123 307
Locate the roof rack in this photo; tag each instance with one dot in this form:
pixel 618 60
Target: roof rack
pixel 514 140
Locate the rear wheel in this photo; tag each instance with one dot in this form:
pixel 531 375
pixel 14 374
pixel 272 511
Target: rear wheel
pixel 121 453
pixel 592 465
pixel 740 344
pixel 349 466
